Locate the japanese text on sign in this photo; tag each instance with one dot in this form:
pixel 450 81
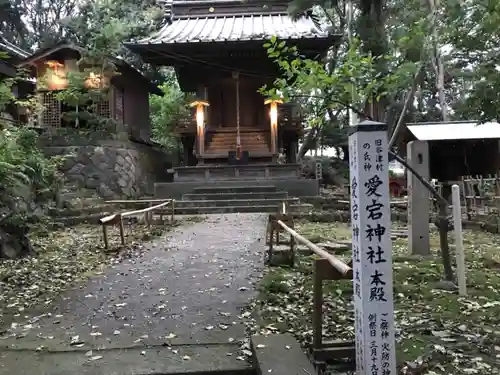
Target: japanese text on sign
pixel 371 251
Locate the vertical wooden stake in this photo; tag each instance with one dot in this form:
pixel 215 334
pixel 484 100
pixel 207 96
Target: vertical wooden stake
pixel 122 234
pixel 173 210
pixel 105 236
pixel 292 249
pixel 147 218
pixel 271 238
pixel 317 318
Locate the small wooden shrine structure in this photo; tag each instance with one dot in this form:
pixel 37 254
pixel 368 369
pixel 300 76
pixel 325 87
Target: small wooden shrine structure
pixel 125 96
pixel 216 48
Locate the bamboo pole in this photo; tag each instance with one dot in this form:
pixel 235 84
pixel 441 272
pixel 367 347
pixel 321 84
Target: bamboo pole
pixel 340 266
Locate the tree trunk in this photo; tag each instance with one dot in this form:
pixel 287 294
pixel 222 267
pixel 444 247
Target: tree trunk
pixel 437 60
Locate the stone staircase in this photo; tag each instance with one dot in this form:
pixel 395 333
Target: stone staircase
pixel 233 199
pixel 77 205
pixel 80 206
pixel 255 141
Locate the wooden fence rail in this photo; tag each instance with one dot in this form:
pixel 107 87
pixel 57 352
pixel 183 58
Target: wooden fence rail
pixel 327 267
pixel 118 217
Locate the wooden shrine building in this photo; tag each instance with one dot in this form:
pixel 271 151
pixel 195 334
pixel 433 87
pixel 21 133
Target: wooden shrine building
pixel 216 48
pixel 124 99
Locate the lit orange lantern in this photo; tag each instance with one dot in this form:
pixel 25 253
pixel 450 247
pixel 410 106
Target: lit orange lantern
pixel 56 76
pixel 200 123
pixel 273 114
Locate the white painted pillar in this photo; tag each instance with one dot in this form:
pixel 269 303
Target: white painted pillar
pixel 372 249
pixel 459 240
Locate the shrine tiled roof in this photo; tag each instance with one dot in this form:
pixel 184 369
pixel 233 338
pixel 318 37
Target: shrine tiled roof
pixel 12 49
pixel 234 28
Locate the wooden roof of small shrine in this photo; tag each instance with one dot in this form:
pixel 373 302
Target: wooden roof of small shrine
pixel 234 28
pixel 63 47
pixel 201 24
pixel 12 50
pixel 14 54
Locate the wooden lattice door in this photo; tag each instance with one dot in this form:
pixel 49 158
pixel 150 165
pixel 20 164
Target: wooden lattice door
pixel 103 109
pixel 51 114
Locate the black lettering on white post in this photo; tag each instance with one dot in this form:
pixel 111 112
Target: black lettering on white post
pixel 371 250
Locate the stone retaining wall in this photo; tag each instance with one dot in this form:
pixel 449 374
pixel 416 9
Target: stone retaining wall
pixel 115 169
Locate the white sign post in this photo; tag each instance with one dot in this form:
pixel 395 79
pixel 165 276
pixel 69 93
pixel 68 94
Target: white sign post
pixel 372 249
pixel 459 239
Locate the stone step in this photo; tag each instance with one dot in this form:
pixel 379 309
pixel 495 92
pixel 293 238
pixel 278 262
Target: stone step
pixel 81 193
pixel 280 354
pixel 102 209
pixel 234 202
pixel 229 196
pixel 139 360
pixel 201 210
pixel 243 144
pixel 226 149
pixel 80 219
pixel 242 139
pixel 234 189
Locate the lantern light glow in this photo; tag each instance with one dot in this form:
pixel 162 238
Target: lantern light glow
pixel 56 75
pixel 200 116
pixel 200 123
pixel 273 111
pixel 273 115
pixel 200 111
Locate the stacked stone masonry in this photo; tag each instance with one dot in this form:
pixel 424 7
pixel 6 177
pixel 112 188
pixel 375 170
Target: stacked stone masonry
pixel 114 169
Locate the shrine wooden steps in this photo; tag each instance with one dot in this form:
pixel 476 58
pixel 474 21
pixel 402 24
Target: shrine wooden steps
pixel 255 141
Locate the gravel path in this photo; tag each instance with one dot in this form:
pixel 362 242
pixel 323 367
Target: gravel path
pixel 187 288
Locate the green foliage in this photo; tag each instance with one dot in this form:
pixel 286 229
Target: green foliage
pixel 166 110
pixel 30 181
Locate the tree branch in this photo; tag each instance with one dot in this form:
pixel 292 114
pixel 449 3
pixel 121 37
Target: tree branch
pixel 409 99
pixel 348 106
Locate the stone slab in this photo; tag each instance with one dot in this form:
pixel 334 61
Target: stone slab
pixel 228 196
pixel 132 361
pixel 234 189
pixel 234 202
pixel 202 210
pixel 280 355
pixel 296 187
pixel 184 289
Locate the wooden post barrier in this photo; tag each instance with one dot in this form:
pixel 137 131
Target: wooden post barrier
pixel 327 268
pixel 328 352
pixel 118 218
pixel 273 234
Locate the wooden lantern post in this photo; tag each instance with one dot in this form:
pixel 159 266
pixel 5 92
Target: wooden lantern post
pixel 273 114
pixel 200 127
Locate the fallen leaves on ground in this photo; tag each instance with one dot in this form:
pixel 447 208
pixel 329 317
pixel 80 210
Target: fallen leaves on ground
pixel 437 331
pixel 63 257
